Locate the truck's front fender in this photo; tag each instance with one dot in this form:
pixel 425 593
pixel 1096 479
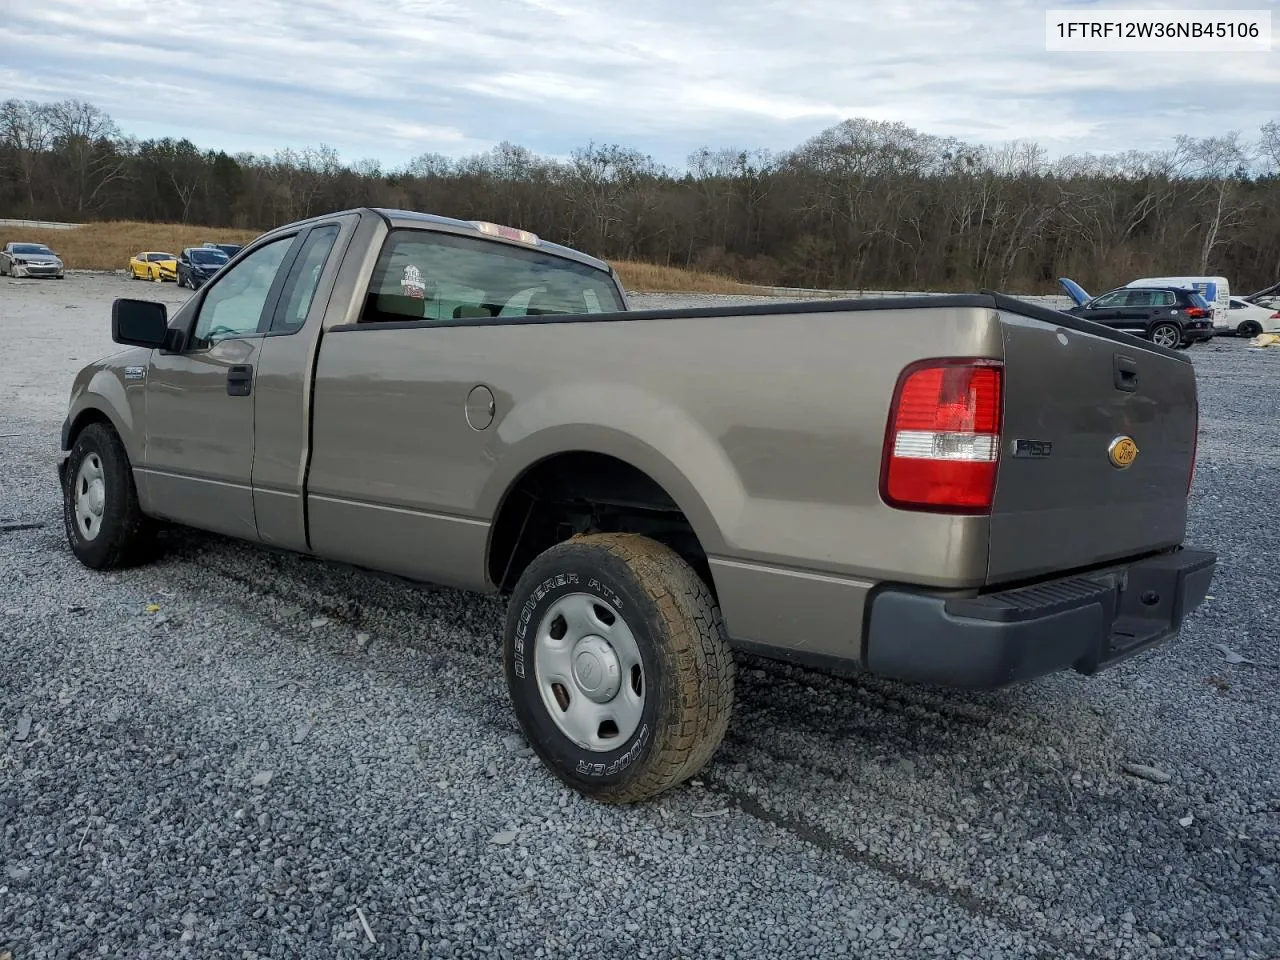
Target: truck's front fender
pixel 100 393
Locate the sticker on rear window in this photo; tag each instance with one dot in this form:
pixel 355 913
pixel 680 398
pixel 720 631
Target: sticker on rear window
pixel 412 284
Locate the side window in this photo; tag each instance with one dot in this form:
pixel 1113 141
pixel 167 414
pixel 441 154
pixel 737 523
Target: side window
pixel 304 278
pixel 233 306
pixel 1165 298
pixel 1113 299
pixel 428 275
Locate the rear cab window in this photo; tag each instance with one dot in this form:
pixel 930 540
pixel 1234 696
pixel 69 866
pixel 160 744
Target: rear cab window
pixel 427 275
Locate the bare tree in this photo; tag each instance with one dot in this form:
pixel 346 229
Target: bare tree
pixel 25 127
pixel 864 203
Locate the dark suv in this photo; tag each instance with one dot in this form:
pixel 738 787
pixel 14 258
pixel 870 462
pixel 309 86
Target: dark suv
pixel 1167 316
pixel 198 264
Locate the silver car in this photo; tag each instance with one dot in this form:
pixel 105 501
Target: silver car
pixel 30 260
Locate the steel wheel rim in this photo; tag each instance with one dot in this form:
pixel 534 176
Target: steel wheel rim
pixel 589 672
pixel 1165 336
pixel 90 497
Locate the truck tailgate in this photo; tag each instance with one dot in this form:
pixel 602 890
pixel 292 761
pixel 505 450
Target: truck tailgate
pixel 1061 503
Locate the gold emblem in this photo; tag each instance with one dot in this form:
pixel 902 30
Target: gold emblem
pixel 1122 452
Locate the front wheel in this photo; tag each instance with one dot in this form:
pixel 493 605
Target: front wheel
pixel 618 665
pixel 1166 335
pixel 1249 329
pixel 104 523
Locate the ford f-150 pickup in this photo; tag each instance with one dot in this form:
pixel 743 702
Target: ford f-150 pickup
pixel 963 490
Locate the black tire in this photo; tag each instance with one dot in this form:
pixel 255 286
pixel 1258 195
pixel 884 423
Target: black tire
pixel 1249 329
pixel 1166 330
pixel 124 537
pixel 687 666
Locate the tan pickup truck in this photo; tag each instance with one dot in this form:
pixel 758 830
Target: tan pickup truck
pixel 960 490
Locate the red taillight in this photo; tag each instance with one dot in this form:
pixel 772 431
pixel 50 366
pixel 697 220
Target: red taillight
pixel 1196 313
pixel 1275 316
pixel 943 439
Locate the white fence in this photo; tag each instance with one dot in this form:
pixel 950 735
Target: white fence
pixel 39 224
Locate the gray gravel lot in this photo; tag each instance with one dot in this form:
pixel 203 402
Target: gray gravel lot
pixel 155 800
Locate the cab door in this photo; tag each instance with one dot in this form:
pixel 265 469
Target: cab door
pixel 199 425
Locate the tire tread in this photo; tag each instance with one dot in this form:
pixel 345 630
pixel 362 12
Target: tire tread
pixel 692 721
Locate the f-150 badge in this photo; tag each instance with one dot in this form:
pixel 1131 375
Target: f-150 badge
pixel 135 373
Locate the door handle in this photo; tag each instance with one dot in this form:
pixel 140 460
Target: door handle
pixel 1126 373
pixel 239 380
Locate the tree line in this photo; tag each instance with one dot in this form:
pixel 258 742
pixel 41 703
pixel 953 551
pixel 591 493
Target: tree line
pixel 862 205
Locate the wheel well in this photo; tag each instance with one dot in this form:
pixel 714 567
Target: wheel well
pixel 583 492
pixel 83 419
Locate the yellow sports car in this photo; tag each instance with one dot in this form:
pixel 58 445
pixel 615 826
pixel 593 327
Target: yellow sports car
pixel 151 265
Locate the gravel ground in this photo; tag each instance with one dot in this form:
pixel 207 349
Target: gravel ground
pixel 230 751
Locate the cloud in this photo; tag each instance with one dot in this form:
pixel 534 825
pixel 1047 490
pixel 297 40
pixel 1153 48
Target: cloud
pixel 401 77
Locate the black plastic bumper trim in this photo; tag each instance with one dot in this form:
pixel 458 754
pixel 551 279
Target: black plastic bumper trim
pixel 1086 623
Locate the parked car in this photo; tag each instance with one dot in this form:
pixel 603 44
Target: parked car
pixel 153 265
pixel 230 249
pixel 1215 290
pixel 1250 319
pixel 198 264
pixel 30 260
pixel 965 490
pixel 1167 316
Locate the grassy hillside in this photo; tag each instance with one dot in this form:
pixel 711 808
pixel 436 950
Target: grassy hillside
pixel 109 245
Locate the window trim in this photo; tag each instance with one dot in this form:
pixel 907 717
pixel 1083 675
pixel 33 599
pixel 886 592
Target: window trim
pixel 295 264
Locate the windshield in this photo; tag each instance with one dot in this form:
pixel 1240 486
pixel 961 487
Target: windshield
pixel 208 256
pixel 32 248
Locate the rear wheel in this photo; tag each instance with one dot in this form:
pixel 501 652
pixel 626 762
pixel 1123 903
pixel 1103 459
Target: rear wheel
pixel 1249 328
pixel 1166 335
pixel 618 665
pixel 104 523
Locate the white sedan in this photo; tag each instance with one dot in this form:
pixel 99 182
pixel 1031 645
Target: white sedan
pixel 1249 319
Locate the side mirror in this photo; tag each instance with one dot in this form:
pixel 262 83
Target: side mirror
pixel 139 323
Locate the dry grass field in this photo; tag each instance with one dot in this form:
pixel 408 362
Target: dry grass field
pixel 109 245
pixel 655 278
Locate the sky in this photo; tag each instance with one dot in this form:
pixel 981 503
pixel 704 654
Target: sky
pixel 392 79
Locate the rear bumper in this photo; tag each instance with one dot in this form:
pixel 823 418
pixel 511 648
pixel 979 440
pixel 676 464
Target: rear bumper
pixel 1086 623
pixel 1195 336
